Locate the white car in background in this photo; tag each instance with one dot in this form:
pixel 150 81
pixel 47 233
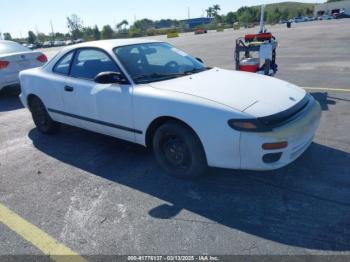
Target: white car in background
pixel 191 115
pixel 15 57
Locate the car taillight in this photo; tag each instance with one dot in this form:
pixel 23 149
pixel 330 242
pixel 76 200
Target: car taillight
pixel 4 64
pixel 42 58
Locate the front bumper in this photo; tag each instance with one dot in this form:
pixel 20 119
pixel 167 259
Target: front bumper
pixel 298 133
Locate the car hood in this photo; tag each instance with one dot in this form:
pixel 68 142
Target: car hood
pixel 254 94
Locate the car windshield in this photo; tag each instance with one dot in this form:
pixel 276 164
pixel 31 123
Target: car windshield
pixel 7 47
pixel 151 62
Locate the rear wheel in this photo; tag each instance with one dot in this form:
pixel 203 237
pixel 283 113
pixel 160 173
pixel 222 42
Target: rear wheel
pixel 41 118
pixel 179 151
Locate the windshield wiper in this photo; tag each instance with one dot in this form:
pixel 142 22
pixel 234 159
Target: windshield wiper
pixel 156 76
pixel 197 70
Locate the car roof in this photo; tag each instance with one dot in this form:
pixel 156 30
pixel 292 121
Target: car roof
pixel 110 44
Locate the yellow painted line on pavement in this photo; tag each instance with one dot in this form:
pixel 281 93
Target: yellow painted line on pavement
pixel 45 243
pixel 328 89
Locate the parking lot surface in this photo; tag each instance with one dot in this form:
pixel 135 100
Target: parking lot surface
pixel 100 195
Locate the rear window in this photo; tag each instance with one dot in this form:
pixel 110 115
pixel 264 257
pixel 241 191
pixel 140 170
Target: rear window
pixel 8 47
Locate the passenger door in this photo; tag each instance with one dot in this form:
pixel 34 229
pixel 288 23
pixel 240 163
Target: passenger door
pixel 104 108
pixel 56 83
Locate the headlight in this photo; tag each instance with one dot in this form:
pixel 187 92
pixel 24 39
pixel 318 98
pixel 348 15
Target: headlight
pixel 248 125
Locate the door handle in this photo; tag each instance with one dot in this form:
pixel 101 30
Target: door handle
pixel 68 89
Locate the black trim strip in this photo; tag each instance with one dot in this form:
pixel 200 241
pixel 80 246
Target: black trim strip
pixel 286 116
pixel 95 121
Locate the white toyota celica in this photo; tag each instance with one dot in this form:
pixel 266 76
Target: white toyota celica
pixel 191 115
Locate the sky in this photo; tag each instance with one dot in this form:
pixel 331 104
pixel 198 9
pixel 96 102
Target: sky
pixel 20 16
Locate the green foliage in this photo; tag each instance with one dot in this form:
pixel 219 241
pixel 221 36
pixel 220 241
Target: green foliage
pixel 213 11
pixel 42 37
pixel 75 26
pixel 122 25
pixel 96 33
pixel 274 12
pixel 107 32
pixel 172 35
pixel 31 37
pixel 7 36
pixel 231 18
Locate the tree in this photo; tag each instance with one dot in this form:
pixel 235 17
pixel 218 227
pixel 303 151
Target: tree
pixel 230 18
pixel 309 11
pixel 209 12
pixel 88 33
pixel 7 36
pixel 274 17
pixel 216 9
pixel 42 37
pixel 97 33
pixel 59 36
pixel 107 32
pixel 122 24
pixel 213 11
pixel 143 24
pixel 75 25
pixel 31 37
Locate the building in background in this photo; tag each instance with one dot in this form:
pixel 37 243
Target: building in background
pixel 195 22
pixel 332 8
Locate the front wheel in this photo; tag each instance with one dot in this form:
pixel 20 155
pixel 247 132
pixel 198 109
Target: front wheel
pixel 41 118
pixel 179 151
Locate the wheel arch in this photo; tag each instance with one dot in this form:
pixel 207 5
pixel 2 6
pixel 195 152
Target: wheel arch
pixel 156 123
pixel 30 98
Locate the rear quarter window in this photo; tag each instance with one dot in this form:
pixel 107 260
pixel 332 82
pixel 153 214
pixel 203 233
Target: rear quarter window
pixel 63 65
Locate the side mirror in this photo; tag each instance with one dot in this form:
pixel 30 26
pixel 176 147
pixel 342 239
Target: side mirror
pixel 110 78
pixel 200 60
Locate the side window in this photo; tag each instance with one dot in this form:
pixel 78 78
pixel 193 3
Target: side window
pixel 62 66
pixel 88 63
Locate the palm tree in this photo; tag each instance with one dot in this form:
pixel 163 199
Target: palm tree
pixel 213 11
pixel 216 7
pixel 209 12
pixel 124 23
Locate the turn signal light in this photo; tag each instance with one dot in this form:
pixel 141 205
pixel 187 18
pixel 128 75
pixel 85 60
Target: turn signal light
pixel 248 125
pixel 273 146
pixel 244 125
pixel 4 64
pixel 42 58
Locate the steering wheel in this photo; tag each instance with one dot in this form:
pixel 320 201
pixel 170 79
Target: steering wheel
pixel 172 65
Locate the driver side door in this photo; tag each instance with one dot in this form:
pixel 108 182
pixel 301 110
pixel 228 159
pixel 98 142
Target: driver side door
pixel 103 108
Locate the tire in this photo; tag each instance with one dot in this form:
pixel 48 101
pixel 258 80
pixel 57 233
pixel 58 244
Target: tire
pixel 41 118
pixel 179 151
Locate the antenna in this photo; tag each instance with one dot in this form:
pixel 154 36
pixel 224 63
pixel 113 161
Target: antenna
pixel 188 12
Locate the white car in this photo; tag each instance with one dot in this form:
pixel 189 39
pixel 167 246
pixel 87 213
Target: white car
pixel 15 57
pixel 68 42
pixel 192 116
pixel 59 43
